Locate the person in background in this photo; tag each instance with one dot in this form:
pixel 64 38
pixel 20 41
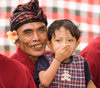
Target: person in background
pixel 14 75
pixel 92 54
pixel 68 70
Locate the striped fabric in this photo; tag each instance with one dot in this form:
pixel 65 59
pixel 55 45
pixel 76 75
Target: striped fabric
pixel 84 13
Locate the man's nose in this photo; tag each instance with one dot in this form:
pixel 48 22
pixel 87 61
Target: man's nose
pixel 35 36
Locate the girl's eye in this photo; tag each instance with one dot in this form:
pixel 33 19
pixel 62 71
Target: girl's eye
pixel 57 40
pixel 70 40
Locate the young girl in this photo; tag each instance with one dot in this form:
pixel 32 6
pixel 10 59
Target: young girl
pixel 65 70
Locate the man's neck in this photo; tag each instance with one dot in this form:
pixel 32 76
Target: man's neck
pixel 33 58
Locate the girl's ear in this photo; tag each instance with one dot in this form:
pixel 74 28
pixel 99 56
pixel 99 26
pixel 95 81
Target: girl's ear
pixel 49 44
pixel 78 42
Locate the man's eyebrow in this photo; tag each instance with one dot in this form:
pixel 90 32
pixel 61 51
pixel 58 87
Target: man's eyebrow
pixel 42 27
pixel 28 29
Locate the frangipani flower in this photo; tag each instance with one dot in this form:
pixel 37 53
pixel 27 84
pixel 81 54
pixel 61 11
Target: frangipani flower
pixel 12 35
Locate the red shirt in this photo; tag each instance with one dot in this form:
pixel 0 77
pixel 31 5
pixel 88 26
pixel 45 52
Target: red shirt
pixel 14 75
pixel 92 55
pixel 22 57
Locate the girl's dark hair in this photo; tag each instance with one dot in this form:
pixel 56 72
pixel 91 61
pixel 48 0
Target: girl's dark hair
pixel 67 24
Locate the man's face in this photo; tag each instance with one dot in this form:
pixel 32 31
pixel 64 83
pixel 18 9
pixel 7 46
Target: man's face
pixel 32 38
pixel 63 37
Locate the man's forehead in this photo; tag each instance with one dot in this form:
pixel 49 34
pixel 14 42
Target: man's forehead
pixel 32 26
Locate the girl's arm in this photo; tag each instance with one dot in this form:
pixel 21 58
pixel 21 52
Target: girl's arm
pixel 61 53
pixel 47 76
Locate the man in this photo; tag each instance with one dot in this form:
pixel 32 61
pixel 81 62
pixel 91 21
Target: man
pixel 92 55
pixel 14 75
pixel 29 32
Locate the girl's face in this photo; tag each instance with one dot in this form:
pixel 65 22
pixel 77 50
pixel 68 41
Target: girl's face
pixel 63 37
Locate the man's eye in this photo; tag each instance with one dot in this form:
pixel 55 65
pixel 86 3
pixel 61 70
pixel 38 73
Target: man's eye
pixel 42 29
pixel 27 32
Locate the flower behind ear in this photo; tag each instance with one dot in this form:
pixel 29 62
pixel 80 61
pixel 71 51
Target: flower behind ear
pixel 12 35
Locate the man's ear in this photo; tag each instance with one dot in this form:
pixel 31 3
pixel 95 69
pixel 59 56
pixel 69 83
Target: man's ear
pixel 49 44
pixel 17 43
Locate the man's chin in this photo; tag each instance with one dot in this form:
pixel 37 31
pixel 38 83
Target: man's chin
pixel 37 54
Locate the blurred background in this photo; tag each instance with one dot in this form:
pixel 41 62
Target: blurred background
pixel 84 13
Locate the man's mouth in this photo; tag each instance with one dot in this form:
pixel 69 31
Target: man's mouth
pixel 38 46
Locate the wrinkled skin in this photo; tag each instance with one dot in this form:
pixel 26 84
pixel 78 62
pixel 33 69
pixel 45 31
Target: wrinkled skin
pixel 32 39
